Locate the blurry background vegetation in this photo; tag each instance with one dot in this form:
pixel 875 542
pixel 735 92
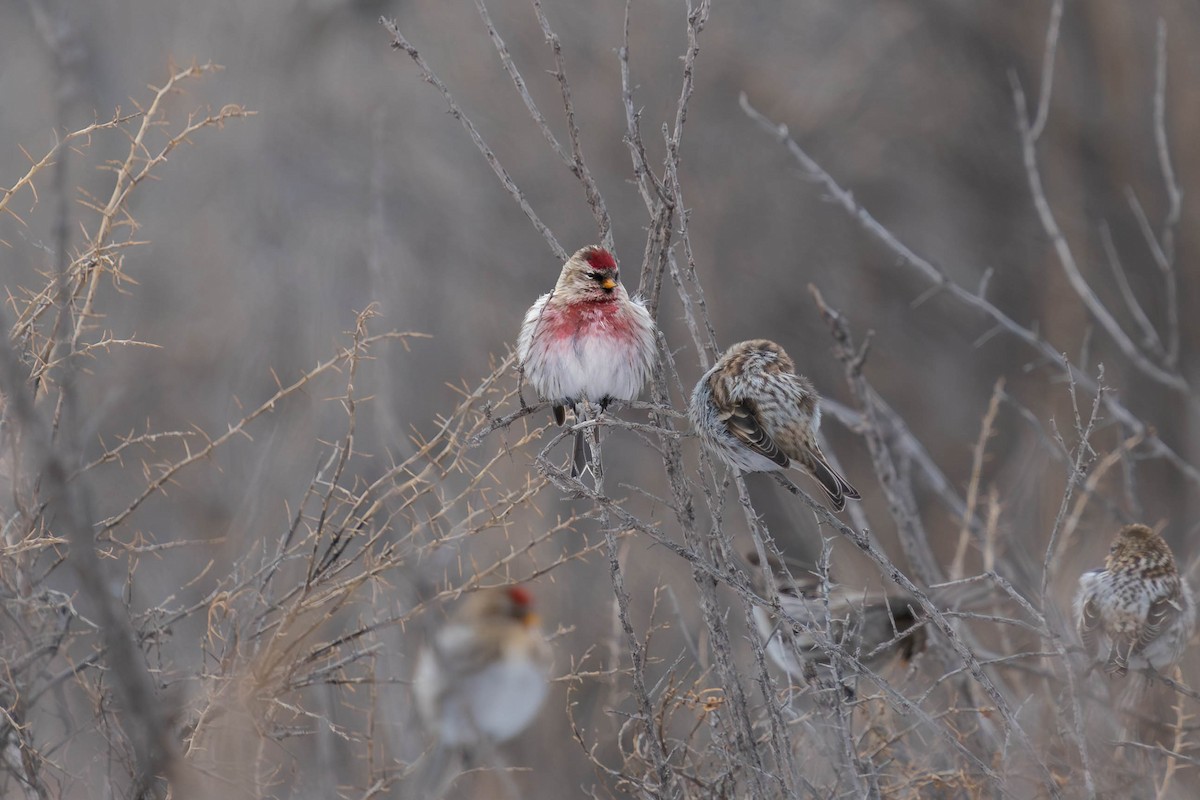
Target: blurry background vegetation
pixel 353 186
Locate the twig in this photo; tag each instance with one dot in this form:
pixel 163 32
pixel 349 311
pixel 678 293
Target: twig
pixel 1081 455
pixel 1043 109
pixel 577 163
pixel 985 433
pixel 1066 259
pixel 1150 339
pixel 427 74
pixel 904 516
pixel 969 299
pixel 1174 195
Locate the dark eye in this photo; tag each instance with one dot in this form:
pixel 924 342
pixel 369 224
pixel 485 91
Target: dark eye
pixel 596 276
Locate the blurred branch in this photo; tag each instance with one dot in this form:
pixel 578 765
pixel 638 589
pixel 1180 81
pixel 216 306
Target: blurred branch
pixel 909 527
pixel 578 165
pixel 575 160
pixel 238 429
pixel 901 502
pixel 1044 92
pixel 69 504
pixel 1066 258
pixel 1090 488
pixel 902 441
pixel 1164 254
pixel 985 433
pixel 427 74
pixel 973 301
pixel 1082 455
pixel 649 186
pixel 1150 338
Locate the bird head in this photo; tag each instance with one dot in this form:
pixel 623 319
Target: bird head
pixel 520 605
pixel 1137 547
pixel 500 606
pixel 760 355
pixel 590 275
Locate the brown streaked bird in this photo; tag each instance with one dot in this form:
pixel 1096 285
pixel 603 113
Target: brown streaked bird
pixel 875 629
pixel 754 412
pixel 485 672
pixel 1137 612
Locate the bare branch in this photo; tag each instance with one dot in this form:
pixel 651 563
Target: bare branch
pixel 1047 84
pixel 400 43
pixel 971 300
pixel 1174 197
pixel 1066 258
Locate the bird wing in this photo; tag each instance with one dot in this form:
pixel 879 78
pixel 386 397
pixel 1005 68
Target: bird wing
pixel 743 421
pixel 1089 627
pixel 1087 613
pixel 837 487
pixel 529 327
pixel 1162 615
pixel 460 653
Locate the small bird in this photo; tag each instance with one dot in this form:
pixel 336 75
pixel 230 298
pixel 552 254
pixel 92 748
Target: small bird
pixel 1137 612
pixel 485 673
pixel 876 630
pixel 587 340
pixel 754 412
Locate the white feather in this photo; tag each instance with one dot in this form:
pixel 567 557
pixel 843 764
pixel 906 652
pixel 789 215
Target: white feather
pixel 594 363
pixel 497 701
pixel 1128 611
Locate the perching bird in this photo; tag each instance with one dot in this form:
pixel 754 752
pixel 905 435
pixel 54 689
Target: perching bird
pixel 1137 612
pixel 754 412
pixel 875 629
pixel 587 339
pixel 485 673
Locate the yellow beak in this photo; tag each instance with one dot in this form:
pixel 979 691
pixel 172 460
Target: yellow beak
pixel 608 283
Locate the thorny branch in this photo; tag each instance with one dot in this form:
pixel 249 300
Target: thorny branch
pixel 296 635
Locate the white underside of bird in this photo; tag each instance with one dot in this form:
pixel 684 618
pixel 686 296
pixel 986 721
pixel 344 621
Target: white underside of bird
pixel 595 352
pixel 870 629
pixel 716 435
pixel 496 701
pixel 1125 613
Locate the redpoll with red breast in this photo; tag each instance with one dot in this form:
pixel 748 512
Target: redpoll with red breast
pixel 485 672
pixel 754 412
pixel 587 339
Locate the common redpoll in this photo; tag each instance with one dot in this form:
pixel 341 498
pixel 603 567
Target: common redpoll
pixel 754 412
pixel 1137 612
pixel 876 630
pixel 484 674
pixel 587 339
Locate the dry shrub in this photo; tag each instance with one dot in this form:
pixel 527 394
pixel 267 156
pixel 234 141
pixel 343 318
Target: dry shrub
pixel 278 666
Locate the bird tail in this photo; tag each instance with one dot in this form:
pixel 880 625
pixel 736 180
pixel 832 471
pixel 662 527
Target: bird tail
pixel 581 462
pixel 908 622
pixel 1145 708
pixel 837 487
